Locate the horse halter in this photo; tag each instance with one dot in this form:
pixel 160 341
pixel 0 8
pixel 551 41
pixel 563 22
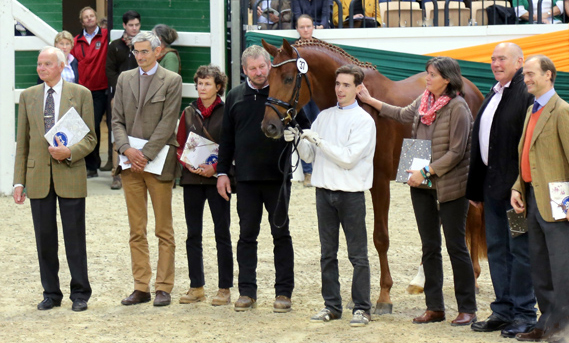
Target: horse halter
pixel 291 112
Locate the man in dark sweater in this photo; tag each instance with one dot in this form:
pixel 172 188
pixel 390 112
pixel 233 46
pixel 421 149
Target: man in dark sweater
pixel 258 181
pixel 493 171
pixel 120 58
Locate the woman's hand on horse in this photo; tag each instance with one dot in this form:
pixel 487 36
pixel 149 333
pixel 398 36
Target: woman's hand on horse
pixel 366 98
pixel 311 136
pixel 291 134
pixel 416 179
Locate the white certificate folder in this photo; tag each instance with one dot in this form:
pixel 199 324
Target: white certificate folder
pixel 70 129
pixel 199 150
pixel 155 166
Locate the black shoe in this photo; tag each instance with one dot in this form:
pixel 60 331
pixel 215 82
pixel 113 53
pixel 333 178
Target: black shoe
pixel 91 173
pixel 492 323
pixel 48 304
pixel 79 305
pixel 517 327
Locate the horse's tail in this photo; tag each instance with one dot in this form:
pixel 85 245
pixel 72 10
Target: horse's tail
pixel 476 233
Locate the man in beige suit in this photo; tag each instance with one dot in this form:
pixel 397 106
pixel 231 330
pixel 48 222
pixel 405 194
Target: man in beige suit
pixel 55 174
pixel 544 156
pixel 147 103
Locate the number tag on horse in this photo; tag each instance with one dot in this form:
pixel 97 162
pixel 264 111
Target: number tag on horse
pixel 302 66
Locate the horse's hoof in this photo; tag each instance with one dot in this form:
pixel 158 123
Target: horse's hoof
pixel 383 308
pixel 350 305
pixel 414 289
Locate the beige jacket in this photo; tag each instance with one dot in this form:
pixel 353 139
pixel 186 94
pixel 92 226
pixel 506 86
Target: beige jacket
pixel 450 143
pixel 548 154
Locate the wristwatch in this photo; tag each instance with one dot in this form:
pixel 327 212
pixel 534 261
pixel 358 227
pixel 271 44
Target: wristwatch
pixel 427 172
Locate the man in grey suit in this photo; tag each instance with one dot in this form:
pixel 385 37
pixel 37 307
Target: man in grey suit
pixel 55 174
pixel 146 106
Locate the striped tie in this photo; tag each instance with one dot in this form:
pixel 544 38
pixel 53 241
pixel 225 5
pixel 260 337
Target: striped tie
pixel 49 111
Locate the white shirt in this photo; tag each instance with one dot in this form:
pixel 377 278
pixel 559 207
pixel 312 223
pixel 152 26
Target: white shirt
pixel 487 118
pixel 343 161
pixel 56 97
pixel 545 8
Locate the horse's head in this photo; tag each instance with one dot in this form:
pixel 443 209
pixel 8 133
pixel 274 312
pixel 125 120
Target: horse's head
pixel 288 91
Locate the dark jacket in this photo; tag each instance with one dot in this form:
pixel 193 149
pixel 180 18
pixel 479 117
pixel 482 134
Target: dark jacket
pixel 256 156
pixel 319 10
pixel 498 177
pixel 119 58
pixel 196 124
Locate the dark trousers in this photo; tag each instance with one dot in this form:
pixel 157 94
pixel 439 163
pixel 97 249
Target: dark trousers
pixel 549 256
pixel 452 215
pixel 93 160
pixel 45 226
pixel 250 200
pixel 508 258
pixel 194 202
pixel 347 208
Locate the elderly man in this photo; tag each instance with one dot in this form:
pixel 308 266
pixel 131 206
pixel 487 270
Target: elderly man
pixel 493 171
pixel 54 175
pixel 146 106
pixel 544 156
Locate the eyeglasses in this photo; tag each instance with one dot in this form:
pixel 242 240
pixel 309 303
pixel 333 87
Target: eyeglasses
pixel 141 52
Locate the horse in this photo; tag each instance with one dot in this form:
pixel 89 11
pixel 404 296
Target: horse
pixel 317 81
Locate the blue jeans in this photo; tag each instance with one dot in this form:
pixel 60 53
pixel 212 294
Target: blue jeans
pixel 347 208
pixel 311 111
pixel 509 263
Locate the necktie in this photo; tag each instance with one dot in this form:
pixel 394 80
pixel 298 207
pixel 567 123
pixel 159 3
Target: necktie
pixel 535 107
pixel 49 111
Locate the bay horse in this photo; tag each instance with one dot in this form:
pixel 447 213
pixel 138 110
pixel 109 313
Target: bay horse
pixel 318 83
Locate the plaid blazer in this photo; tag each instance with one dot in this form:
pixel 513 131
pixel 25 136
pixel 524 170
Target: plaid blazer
pixel 34 167
pixel 548 154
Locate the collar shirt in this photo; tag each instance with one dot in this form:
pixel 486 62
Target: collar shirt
pixel 89 37
pixel 151 71
pixel 349 107
pixel 56 98
pixel 253 87
pixel 487 118
pixel 67 74
pixel 544 99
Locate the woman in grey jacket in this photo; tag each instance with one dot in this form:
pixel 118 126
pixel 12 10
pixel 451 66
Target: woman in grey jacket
pixel 442 116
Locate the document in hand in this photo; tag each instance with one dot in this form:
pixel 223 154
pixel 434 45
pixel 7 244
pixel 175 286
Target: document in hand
pixel 70 128
pixel 199 150
pixel 415 154
pixel 559 198
pixel 155 166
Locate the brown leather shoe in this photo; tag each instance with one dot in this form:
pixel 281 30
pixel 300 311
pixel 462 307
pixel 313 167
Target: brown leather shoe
pixel 535 335
pixel 137 297
pixel 162 299
pixel 223 297
pixel 282 304
pixel 430 317
pixel 194 295
pixel 464 319
pixel 245 303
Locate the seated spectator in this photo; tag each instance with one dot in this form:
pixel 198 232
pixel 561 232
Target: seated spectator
pixel 318 10
pixel 64 41
pixel 169 58
pixel 359 14
pixel 550 12
pixel 273 14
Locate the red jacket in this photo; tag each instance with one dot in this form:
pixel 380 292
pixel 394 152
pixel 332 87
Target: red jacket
pixel 92 59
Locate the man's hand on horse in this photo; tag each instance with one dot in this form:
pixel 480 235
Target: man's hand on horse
pixel 516 201
pixel 311 136
pixel 291 134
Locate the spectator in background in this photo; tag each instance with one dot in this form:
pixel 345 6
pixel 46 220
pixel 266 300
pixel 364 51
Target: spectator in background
pixel 169 58
pixel 550 12
pixel 318 10
pixel 120 58
pixel 64 41
pixel 103 23
pixel 272 14
pixel 359 14
pixel 90 50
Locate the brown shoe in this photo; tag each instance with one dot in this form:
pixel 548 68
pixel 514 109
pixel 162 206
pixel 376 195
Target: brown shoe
pixel 535 335
pixel 194 295
pixel 162 299
pixel 137 297
pixel 282 304
pixel 223 297
pixel 307 180
pixel 464 319
pixel 245 303
pixel 430 317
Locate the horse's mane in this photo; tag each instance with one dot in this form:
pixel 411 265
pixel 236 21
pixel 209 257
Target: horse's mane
pixel 320 43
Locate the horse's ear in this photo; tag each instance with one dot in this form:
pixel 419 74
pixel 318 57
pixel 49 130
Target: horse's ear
pixel 286 47
pixel 271 49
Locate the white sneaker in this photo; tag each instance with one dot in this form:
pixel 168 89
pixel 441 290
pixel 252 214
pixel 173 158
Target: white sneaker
pixel 360 318
pixel 325 315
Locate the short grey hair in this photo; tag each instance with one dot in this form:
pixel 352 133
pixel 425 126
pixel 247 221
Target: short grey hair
pixel 255 51
pixel 147 36
pixel 57 51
